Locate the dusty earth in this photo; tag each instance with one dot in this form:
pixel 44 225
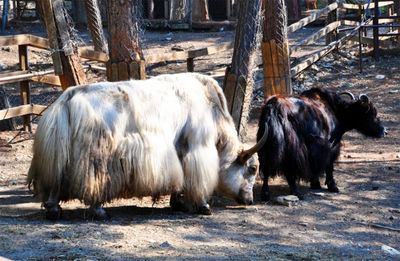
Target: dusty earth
pixel 358 223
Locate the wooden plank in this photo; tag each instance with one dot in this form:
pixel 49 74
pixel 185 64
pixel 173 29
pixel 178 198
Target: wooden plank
pixel 315 36
pixel 24 85
pixel 142 70
pixel 90 54
pixel 166 57
pixel 47 79
pixel 210 50
pixel 14 40
pixel 190 64
pixel 350 6
pixel 311 18
pixel 134 70
pixel 38 42
pixel 123 72
pixel 21 111
pixel 114 72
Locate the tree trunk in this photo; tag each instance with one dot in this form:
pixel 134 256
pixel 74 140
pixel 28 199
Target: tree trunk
pixel 238 82
pixel 178 10
pixel 125 50
pixel 275 49
pixel 95 25
pixel 200 10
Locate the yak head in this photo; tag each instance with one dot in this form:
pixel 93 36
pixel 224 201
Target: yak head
pixel 238 177
pixel 364 118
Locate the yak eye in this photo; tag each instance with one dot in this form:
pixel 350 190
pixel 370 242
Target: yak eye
pixel 253 169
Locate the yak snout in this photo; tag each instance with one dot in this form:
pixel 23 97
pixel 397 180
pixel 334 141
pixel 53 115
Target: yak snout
pixel 245 197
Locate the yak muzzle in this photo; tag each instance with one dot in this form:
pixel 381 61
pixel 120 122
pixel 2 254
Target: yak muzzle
pixel 245 197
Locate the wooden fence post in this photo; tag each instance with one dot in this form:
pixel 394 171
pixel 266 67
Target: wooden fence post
pixel 397 11
pixel 66 61
pixel 238 83
pixel 275 49
pixel 24 85
pixel 331 18
pixel 125 51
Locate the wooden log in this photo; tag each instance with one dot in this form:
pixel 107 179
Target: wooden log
pixel 24 85
pixel 63 27
pixel 311 18
pixel 14 40
pixel 269 84
pixel 47 11
pixel 47 79
pixel 90 54
pixel 315 36
pixel 22 110
pixel 190 64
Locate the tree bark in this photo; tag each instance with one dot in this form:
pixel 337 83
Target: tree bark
pixel 125 50
pixel 200 10
pixel 275 49
pixel 178 10
pixel 238 82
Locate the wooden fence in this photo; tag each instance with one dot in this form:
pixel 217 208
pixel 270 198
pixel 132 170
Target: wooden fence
pixel 48 77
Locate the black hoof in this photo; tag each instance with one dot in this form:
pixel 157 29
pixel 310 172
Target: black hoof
pixel 204 210
pixel 333 188
pixel 176 203
pixel 315 185
pixel 53 213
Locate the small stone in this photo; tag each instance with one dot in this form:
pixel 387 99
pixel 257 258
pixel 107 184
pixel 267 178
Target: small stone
pixel 289 201
pixel 390 250
pixel 393 92
pixel 380 77
pixel 166 244
pixel 320 194
pixel 304 224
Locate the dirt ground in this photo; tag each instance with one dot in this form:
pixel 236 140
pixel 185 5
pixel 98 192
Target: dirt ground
pixel 358 223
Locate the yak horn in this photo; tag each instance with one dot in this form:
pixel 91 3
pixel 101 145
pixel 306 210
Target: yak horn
pixel 348 93
pixel 246 154
pixel 364 98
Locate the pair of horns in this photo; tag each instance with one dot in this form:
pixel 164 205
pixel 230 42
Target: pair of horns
pixel 363 97
pixel 246 154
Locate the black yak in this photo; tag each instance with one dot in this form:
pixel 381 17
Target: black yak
pixel 171 134
pixel 304 135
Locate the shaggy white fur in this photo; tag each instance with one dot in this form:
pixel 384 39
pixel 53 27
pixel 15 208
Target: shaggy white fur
pixel 169 134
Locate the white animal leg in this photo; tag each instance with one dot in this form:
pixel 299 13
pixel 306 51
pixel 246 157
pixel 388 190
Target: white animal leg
pixel 53 209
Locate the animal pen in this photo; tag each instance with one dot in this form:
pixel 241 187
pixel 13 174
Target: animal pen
pixel 238 82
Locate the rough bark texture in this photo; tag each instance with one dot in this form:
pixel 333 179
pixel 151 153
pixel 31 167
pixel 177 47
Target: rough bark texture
pixel 178 10
pixel 239 77
pixel 275 49
pixel 95 25
pixel 200 10
pixel 125 50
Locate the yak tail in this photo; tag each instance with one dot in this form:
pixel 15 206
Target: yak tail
pixel 50 150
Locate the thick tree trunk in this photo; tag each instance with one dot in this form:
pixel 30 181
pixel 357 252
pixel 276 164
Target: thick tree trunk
pixel 275 49
pixel 238 82
pixel 95 25
pixel 200 10
pixel 125 50
pixel 178 10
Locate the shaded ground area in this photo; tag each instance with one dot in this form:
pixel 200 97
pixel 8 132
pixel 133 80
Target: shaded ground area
pixel 353 224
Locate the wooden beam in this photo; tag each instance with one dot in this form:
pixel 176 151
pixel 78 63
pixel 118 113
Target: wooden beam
pixel 316 35
pixel 320 53
pixel 19 39
pixel 38 42
pixel 311 18
pixel 90 54
pixel 47 79
pixel 22 110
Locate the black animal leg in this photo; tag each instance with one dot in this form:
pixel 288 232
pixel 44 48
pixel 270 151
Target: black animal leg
pixel 53 209
pixel 265 196
pixel 315 183
pixel 294 190
pixel 330 181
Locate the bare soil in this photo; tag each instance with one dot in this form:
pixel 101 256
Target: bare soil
pixel 351 225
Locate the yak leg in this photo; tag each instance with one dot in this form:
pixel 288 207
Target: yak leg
pixel 53 209
pixel 330 181
pixel 177 203
pixel 98 212
pixel 315 183
pixel 203 208
pixel 294 190
pixel 265 196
